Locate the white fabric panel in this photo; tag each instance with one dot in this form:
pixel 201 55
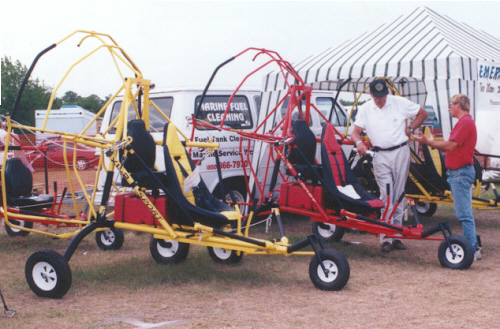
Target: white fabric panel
pixel 422 46
pixel 261 149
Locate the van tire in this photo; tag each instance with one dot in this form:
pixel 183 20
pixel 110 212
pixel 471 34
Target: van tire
pixel 237 186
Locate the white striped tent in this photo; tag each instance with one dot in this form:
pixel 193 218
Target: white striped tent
pixel 429 57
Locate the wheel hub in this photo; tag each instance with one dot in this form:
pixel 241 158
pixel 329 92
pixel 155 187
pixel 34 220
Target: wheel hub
pixel 331 271
pixel 45 276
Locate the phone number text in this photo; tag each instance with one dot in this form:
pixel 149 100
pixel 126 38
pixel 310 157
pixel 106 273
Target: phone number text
pixel 228 165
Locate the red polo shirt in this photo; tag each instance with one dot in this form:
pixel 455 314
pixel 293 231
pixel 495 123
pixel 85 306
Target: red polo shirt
pixel 465 135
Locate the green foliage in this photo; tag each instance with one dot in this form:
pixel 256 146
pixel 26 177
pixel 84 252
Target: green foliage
pixel 35 95
pixel 70 97
pixel 91 103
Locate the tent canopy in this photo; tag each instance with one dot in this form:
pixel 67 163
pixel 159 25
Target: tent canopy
pixel 431 56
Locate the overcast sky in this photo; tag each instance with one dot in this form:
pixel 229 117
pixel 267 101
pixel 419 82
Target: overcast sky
pixel 181 43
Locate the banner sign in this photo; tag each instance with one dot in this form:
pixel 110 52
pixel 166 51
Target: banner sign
pixel 488 107
pixel 489 85
pixel 213 108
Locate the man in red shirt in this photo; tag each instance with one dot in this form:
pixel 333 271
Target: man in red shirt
pixel 460 164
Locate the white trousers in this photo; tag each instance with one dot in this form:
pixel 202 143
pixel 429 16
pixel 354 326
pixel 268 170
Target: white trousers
pixel 391 168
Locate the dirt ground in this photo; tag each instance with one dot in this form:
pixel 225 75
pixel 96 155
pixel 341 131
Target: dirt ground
pixel 124 288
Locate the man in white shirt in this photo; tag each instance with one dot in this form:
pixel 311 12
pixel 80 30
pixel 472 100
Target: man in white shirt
pixel 384 119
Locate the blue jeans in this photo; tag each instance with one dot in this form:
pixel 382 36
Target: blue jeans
pixel 461 181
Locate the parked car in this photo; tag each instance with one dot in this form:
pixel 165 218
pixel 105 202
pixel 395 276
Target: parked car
pixel 85 156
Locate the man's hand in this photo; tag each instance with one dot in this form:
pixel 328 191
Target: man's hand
pixel 356 136
pixel 407 132
pixel 362 149
pixel 422 139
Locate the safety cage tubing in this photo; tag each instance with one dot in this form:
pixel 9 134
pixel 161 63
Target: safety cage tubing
pixel 298 93
pixel 80 219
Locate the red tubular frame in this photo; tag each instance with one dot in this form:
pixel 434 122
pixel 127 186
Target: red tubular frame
pixel 277 143
pixel 49 211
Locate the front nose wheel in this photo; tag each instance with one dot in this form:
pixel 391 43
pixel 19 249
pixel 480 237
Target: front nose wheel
pixel 48 274
pixel 334 273
pixel 461 254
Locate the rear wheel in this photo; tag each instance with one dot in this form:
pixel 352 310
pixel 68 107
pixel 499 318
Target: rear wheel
pixel 328 232
pixel 337 270
pixel 48 274
pixel 463 250
pixel 111 239
pixel 224 256
pixel 12 231
pixel 425 209
pixel 168 251
pixel 236 187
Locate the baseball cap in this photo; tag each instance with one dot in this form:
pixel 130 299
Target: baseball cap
pixel 378 88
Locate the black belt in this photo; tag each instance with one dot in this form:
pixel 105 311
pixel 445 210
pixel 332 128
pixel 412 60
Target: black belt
pixel 376 148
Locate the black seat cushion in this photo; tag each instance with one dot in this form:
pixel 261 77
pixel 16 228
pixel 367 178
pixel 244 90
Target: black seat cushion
pixel 18 185
pixel 18 178
pixel 143 145
pixel 303 148
pixel 312 172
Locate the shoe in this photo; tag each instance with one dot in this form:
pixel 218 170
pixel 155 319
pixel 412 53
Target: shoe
pixel 398 245
pixel 478 254
pixel 386 247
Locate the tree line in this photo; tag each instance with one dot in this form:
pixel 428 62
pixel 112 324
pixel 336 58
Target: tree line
pixel 36 95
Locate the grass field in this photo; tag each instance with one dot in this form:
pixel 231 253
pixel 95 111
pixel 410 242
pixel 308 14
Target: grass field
pixel 118 289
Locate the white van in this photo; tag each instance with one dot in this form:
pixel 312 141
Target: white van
pixel 179 105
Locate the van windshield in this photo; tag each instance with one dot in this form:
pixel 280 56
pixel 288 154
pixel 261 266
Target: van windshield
pixel 213 108
pixel 295 111
pixel 325 105
pixel 156 120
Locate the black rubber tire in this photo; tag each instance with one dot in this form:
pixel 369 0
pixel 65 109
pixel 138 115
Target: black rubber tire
pixel 463 249
pixel 425 209
pixel 328 232
pixel 168 251
pixel 48 274
pixel 224 256
pixel 17 232
pixel 110 239
pixel 339 270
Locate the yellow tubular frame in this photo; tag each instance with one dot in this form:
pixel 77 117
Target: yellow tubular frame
pixel 98 142
pixel 198 234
